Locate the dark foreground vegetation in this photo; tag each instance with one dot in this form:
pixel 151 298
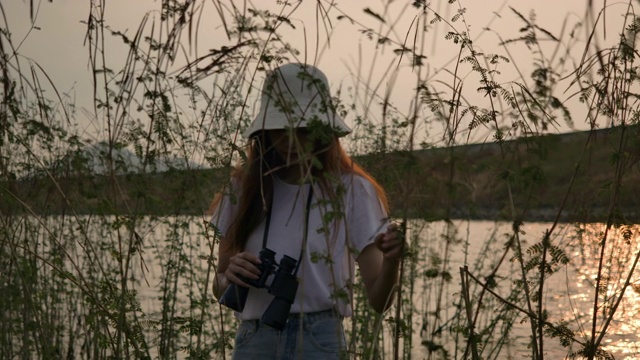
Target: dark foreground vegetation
pixel 462 182
pixel 119 265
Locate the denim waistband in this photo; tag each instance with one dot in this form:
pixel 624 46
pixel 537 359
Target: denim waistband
pixel 306 318
pixel 315 316
pixel 313 335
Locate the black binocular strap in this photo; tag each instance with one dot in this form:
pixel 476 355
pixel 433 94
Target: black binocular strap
pixel 306 227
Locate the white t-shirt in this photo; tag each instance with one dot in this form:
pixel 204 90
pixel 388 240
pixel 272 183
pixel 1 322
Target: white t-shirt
pixel 328 262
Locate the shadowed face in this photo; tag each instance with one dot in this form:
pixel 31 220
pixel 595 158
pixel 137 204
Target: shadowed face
pixel 291 145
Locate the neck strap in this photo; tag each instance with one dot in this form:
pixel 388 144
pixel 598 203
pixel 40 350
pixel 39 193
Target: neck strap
pixel 305 229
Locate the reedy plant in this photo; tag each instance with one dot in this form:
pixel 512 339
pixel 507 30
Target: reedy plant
pixel 546 257
pixel 110 266
pixel 74 272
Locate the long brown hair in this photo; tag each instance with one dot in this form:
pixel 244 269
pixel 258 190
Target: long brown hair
pixel 254 178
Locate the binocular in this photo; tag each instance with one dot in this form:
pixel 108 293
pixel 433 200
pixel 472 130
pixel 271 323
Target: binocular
pixel 283 287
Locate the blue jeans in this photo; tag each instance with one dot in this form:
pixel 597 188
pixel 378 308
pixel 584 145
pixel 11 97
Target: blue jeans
pixel 317 335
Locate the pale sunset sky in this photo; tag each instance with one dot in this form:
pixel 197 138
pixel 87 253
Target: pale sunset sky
pixel 343 52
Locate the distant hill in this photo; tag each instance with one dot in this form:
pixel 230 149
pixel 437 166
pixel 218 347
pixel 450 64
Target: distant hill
pixel 468 181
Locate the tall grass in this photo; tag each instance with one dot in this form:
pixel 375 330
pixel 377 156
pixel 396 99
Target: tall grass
pixel 124 281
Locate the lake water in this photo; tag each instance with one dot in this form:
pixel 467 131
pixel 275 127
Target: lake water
pixel 568 292
pixel 171 254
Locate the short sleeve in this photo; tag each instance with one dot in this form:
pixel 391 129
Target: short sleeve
pixel 224 212
pixel 366 217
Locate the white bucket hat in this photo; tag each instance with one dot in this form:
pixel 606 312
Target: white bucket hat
pixel 295 96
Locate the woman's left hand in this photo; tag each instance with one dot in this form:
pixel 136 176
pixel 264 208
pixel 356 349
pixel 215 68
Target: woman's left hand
pixel 390 243
pixel 380 264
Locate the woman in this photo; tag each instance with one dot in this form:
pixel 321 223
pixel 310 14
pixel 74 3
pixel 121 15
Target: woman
pixel 298 194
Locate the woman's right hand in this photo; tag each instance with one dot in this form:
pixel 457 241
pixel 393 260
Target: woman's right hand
pixel 242 265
